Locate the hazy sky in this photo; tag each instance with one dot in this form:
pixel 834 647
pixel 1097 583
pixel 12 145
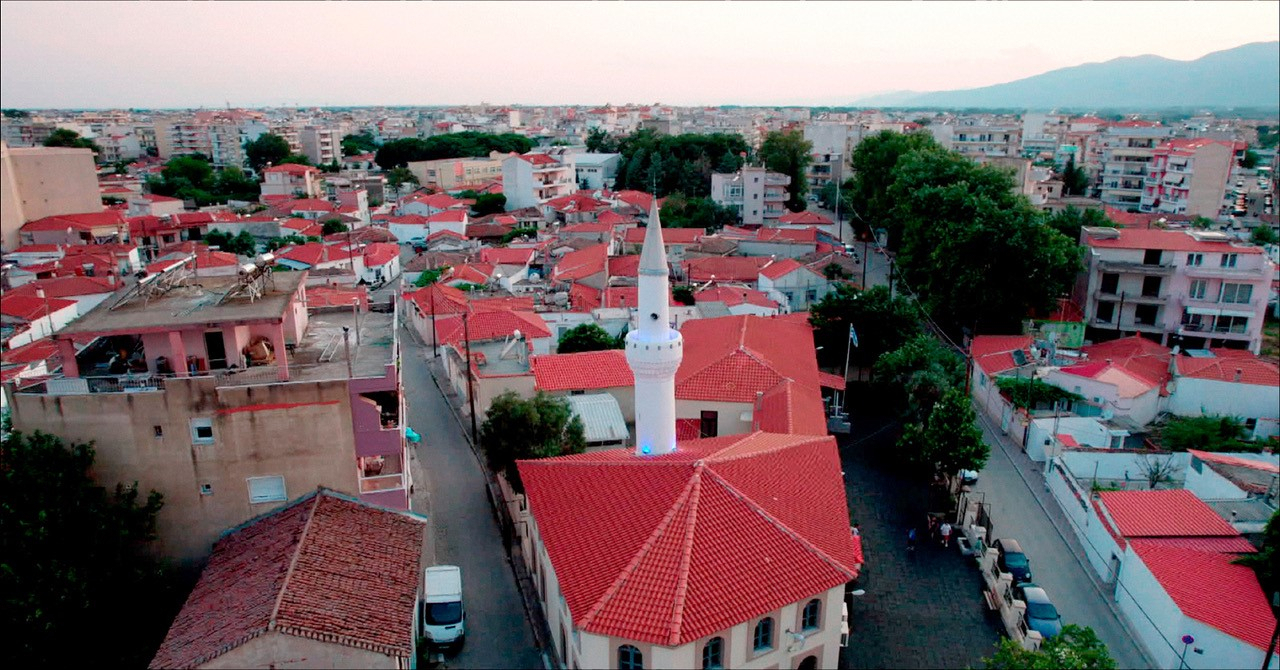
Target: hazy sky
pixel 182 54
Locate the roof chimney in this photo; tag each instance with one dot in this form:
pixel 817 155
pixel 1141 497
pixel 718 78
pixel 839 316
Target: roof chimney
pixel 1239 373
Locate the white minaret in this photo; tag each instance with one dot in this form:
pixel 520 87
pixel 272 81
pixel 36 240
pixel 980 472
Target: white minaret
pixel 654 349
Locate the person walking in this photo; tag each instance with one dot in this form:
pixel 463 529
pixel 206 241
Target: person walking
pixel 911 541
pixel 945 530
pixel 856 530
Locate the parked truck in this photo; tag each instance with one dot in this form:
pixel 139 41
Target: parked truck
pixel 442 615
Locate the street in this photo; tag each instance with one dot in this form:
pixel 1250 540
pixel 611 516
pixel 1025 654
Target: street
pixel 1023 509
pixel 451 492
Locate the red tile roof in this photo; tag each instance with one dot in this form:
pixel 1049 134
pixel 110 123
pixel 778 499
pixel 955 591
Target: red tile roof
pixel 672 548
pixel 503 304
pixel 86 222
pixel 324 567
pixel 638 199
pixel 808 235
pixel 29 308
pixel 586 370
pixel 1163 513
pixel 669 235
pixel 613 218
pixel 472 273
pixel 804 218
pixel 292 168
pixel 64 287
pixel 311 205
pixel 331 296
pixel 1227 459
pixel 1252 370
pixel 1209 588
pixel 539 159
pixel 587 228
pixel 506 256
pixel 732 295
pixel 725 268
pixel 830 381
pixel 380 253
pixel 31 352
pixel 779 269
pixel 435 200
pixel 993 353
pixel 575 203
pixel 491 326
pixel 789 408
pixel 732 358
pixel 1168 240
pixel 582 263
pixel 1136 354
pixel 625 266
pixel 443 299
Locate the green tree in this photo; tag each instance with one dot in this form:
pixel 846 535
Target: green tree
pixel 1069 221
pixel 683 295
pixel 359 143
pixel 1264 560
pixel 1033 393
pixel 516 428
pixel 63 137
pixel 952 440
pixel 398 153
pixel 922 370
pixel 1075 181
pixel 429 277
pixel 296 159
pixel 599 141
pixel 1075 648
pixel 1263 234
pixel 1205 433
pixel 75 552
pixel 332 226
pixel 399 176
pixel 15 113
pixel 331 168
pixel 586 337
pixel 789 153
pixel 833 272
pixel 519 232
pixel 670 163
pixel 235 184
pixel 882 323
pixel 873 165
pixel 1250 160
pixel 267 148
pixel 489 203
pixel 241 244
pixel 679 211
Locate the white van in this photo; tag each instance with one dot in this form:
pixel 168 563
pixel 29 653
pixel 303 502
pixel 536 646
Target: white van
pixel 442 616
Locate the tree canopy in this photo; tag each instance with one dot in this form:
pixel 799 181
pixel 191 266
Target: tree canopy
pixel 267 148
pixel 193 178
pixel 924 370
pixel 882 323
pixel 64 137
pixel 295 159
pixel 1070 220
pixel 396 177
pixel 676 163
pixel 1205 433
pixel 399 153
pixel 359 143
pixel 586 337
pixel 789 153
pixel 1075 181
pixel 1075 648
pixel 679 211
pixel 516 428
pixel 600 141
pixel 1263 234
pixel 78 584
pixel 241 244
pixel 486 203
pixel 873 164
pixel 1264 560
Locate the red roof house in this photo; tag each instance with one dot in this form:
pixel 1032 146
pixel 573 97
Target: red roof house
pixel 587 370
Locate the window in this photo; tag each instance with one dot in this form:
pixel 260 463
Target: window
pixel 713 654
pixel 1146 315
pixel 159 430
pixel 1151 257
pixel 1228 260
pixel 1106 312
pixel 1231 324
pixel 266 489
pixel 809 619
pixel 206 489
pixel 202 431
pixel 1198 287
pixel 630 658
pixel 709 423
pixel 1151 287
pixel 811 295
pixel 762 638
pixel 1236 293
pixel 1110 283
pixel 1195 259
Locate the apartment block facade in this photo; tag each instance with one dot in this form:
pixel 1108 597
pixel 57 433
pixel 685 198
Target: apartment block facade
pixel 1191 288
pixel 530 180
pixel 1125 152
pixel 757 194
pixel 448 173
pixel 322 145
pixel 1190 176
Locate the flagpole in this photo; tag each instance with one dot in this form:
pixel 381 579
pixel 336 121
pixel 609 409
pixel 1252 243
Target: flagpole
pixel 848 344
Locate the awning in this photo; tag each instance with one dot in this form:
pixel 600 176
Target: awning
pixel 1209 311
pixel 601 416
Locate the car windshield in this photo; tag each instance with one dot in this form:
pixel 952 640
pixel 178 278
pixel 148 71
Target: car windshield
pixel 443 614
pixel 1015 560
pixel 1042 611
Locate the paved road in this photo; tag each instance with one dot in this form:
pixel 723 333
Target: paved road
pixel 462 526
pixel 1022 507
pixel 923 611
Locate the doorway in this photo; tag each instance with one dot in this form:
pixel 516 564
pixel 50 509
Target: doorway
pixel 216 348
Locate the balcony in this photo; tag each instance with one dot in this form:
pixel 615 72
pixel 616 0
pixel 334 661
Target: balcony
pixel 1233 331
pixel 1163 269
pixel 1247 275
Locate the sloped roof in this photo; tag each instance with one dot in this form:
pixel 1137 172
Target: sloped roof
pixel 86 222
pixel 1209 588
pixel 29 308
pixel 994 353
pixel 1136 354
pixel 585 370
pixel 1128 384
pixel 726 268
pixel 582 263
pixel 625 266
pixel 671 548
pixel 292 168
pixel 64 287
pixel 1167 240
pixel 31 352
pixel 1163 513
pixel 506 256
pixel 732 295
pixel 779 269
pixel 731 358
pixel 491 325
pixel 380 253
pixel 439 299
pixel 1253 370
pixel 669 235
pixel 325 567
pixel 788 408
pixel 804 218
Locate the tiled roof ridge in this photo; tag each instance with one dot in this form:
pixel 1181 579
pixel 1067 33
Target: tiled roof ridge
pixel 201 660
pixel 777 523
pixel 345 640
pixel 686 556
pixel 719 457
pixel 644 549
pixel 293 561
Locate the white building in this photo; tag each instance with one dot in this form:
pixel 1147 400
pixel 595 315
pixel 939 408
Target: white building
pixel 757 194
pixel 530 180
pixel 595 171
pixel 1227 382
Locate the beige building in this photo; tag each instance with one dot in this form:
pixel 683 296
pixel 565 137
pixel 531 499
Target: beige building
pixel 322 145
pixel 448 173
pixel 228 397
pixel 759 196
pixel 1190 176
pixel 44 181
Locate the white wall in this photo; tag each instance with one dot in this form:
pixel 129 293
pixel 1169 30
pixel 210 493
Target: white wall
pixel 1076 503
pixel 1197 397
pixel 1087 431
pixel 1207 484
pixel 1114 466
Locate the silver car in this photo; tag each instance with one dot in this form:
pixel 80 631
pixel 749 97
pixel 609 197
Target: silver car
pixel 1041 615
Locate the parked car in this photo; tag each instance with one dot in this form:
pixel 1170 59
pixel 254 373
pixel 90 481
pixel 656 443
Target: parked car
pixel 968 477
pixel 1012 560
pixel 443 617
pixel 1041 615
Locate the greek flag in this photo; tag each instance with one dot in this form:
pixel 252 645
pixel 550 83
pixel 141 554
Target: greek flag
pixel 853 336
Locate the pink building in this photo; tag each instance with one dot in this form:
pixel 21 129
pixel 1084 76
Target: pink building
pixel 302 181
pixel 1191 288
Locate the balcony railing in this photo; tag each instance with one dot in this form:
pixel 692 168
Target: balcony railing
pixel 380 483
pixel 1134 267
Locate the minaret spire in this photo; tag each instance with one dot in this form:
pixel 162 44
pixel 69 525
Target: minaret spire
pixel 654 348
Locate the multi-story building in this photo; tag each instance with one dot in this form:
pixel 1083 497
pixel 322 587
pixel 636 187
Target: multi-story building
pixel 302 181
pixel 38 182
pixel 757 194
pixel 25 133
pixel 322 145
pixel 448 173
pixel 595 171
pixel 228 397
pixel 1043 133
pixel 1193 288
pixel 980 140
pixel 833 145
pixel 530 180
pixel 1190 176
pixel 1125 153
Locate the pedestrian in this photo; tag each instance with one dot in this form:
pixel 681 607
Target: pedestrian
pixel 911 540
pixel 933 526
pixel 946 533
pixel 856 530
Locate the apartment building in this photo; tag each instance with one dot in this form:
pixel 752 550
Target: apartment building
pixel 322 145
pixel 289 179
pixel 1190 176
pixel 1192 288
pixel 218 137
pixel 833 145
pixel 531 179
pixel 39 182
pixel 976 140
pixel 757 194
pixel 229 396
pixel 1043 133
pixel 448 173
pixel 1125 152
pixel 25 133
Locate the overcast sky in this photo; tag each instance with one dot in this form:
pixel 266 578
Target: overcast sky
pixel 171 54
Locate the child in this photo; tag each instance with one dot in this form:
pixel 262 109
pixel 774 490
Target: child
pixel 946 533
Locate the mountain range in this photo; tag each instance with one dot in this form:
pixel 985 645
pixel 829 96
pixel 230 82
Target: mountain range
pixel 1245 76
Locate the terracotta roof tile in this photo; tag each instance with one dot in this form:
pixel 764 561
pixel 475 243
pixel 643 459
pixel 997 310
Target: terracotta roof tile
pixel 1163 513
pixel 586 370
pixel 732 358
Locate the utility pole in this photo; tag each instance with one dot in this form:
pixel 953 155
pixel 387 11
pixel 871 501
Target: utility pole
pixel 866 259
pixel 471 390
pixel 839 225
pixel 435 347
